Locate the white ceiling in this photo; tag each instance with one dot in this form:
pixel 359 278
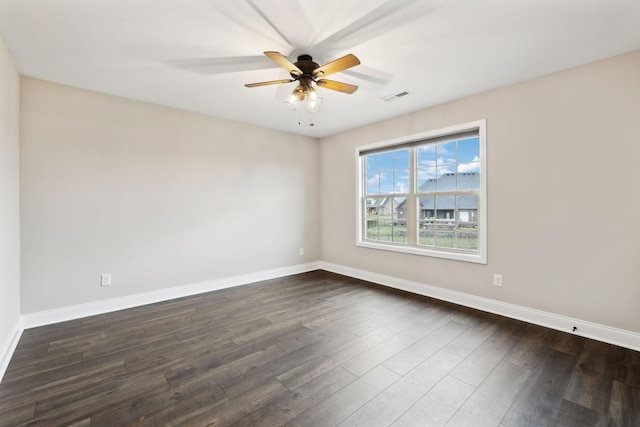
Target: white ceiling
pixel 196 55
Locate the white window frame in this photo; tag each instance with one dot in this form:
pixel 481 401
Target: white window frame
pixel 478 256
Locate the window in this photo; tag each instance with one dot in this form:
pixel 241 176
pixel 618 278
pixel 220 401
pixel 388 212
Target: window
pixel 425 194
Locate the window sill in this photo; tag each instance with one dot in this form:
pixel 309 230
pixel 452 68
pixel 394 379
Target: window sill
pixel 477 258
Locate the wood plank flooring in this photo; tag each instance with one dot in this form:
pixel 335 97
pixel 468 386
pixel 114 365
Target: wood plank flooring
pixel 315 349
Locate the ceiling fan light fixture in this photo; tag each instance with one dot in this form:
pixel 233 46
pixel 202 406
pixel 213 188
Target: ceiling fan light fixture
pixel 313 101
pixel 294 99
pixel 300 94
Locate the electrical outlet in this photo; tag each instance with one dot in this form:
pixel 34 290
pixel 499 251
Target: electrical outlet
pixel 301 251
pixel 497 280
pixel 105 280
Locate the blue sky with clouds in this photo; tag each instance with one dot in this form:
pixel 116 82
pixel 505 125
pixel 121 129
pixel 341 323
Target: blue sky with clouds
pixel 388 172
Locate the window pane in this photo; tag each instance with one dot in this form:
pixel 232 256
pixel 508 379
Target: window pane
pixel 426 206
pixel 375 217
pixel 385 232
pixel 372 163
pixel 399 234
pixel 371 218
pixel 371 232
pixel 469 150
pixel 466 239
pixel 469 180
pixel 469 167
pixel 386 160
pixel 401 181
pixel 445 237
pixel 370 204
pixel 468 204
pixel 447 182
pixel 373 183
pixel 385 219
pixel 427 155
pixel 387 172
pixel 446 154
pixel 445 205
pixel 401 210
pixel 427 235
pixel 445 221
pixel 427 180
pixel 386 182
pixel 401 159
pixel 426 220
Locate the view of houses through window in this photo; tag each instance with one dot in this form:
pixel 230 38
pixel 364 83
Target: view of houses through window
pixel 425 194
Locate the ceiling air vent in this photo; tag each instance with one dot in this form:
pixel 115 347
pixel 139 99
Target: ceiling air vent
pixel 395 96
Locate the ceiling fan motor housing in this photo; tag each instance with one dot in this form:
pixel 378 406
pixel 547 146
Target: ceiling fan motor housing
pixel 306 65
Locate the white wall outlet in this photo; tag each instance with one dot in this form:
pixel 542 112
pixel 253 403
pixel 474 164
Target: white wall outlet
pixel 301 251
pixel 105 280
pixel 497 280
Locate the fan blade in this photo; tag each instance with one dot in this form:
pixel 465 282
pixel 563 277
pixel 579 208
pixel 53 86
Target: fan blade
pixel 371 75
pixel 281 60
pixel 272 82
pixel 232 64
pixel 340 87
pixel 339 64
pixel 266 19
pixel 392 14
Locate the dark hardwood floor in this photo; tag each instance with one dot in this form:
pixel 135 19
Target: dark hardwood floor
pixel 315 349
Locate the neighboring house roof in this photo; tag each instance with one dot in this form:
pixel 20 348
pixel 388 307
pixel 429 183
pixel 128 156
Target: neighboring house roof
pixel 372 202
pixel 447 182
pixel 448 202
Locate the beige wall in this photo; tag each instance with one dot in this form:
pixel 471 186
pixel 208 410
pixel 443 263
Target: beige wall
pixel 563 153
pixel 9 200
pixel 157 197
pixel 162 198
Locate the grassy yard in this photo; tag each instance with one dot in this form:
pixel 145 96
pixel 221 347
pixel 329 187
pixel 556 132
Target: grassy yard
pixel 384 230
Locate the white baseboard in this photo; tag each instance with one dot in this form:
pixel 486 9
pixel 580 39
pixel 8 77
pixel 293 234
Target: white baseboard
pixel 586 329
pixel 64 314
pixel 7 348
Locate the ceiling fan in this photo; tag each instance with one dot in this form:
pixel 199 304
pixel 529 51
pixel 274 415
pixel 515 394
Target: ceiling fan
pixel 309 74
